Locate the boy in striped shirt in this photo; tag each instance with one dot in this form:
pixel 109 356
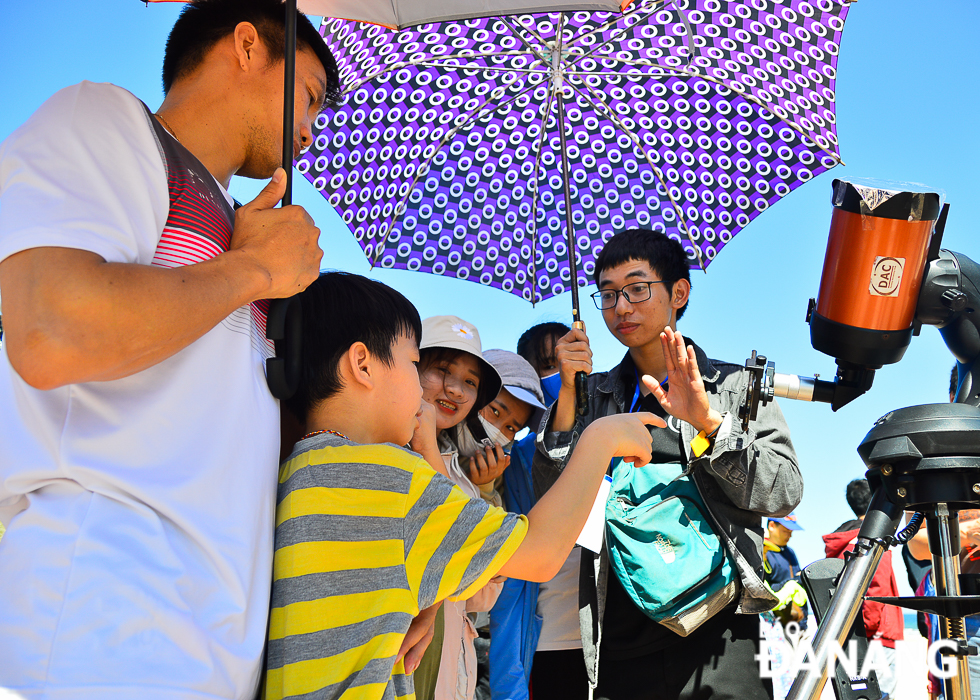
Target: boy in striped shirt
pixel 368 534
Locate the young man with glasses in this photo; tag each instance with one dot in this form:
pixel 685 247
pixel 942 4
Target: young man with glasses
pixel 743 476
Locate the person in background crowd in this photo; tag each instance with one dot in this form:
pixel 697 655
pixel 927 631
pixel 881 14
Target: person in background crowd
pixel 883 623
pixel 644 284
pixel 138 438
pixel 782 570
pixel 537 624
pixel 518 405
pixel 537 346
pixel 458 382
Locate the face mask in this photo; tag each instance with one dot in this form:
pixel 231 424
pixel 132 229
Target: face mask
pixel 495 434
pixel 551 386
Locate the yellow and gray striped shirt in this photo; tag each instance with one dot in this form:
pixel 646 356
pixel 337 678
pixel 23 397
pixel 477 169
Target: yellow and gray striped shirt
pixel 366 536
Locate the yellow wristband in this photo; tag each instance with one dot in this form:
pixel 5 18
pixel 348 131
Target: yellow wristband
pixel 702 442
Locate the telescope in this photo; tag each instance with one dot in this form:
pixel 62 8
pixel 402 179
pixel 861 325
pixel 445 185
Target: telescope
pixel 885 275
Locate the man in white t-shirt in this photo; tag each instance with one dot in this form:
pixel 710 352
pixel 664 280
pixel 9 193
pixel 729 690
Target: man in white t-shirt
pixel 138 439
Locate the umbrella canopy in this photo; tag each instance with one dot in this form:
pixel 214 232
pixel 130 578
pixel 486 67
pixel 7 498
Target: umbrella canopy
pixel 398 14
pixel 691 118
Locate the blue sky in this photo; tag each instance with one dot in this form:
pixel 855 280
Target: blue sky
pixel 907 96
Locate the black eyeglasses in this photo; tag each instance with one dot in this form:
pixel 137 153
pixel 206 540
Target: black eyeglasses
pixel 634 293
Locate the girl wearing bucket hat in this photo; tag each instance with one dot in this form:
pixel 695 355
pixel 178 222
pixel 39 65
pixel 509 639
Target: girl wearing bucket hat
pixel 458 382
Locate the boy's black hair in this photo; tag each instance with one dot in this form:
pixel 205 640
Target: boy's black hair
pixel 340 309
pixel 203 23
pixel 429 356
pixel 859 496
pixel 954 382
pixel 532 346
pixel 665 256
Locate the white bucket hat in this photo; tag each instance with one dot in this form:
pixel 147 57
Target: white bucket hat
pixel 455 333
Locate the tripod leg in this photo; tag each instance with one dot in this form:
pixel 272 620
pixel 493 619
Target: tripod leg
pixel 944 542
pixel 881 521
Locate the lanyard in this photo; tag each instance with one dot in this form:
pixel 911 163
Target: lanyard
pixel 636 392
pixel 635 404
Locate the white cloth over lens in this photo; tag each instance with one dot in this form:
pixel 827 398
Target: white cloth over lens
pixel 138 554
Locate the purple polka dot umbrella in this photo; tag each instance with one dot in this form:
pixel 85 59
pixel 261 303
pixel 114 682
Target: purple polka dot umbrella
pixel 449 152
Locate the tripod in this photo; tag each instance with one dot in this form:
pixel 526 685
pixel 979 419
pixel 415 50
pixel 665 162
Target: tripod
pixel 923 458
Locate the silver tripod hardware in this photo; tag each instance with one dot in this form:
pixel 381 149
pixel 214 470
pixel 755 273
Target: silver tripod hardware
pixel 926 459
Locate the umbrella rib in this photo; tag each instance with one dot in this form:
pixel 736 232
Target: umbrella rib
pixel 507 22
pixel 631 10
pixel 601 105
pixel 688 36
pixel 532 278
pixel 601 74
pixel 400 208
pixel 628 13
pixel 711 79
pixel 499 69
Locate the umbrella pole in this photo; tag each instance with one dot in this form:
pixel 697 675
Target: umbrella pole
pixel 289 100
pixel 581 381
pixel 284 319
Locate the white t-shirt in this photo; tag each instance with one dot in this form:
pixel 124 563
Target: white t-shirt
pixel 138 554
pixel 558 607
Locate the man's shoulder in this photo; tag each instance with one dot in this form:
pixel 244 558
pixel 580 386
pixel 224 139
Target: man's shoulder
pixel 88 88
pixel 96 114
pixel 87 97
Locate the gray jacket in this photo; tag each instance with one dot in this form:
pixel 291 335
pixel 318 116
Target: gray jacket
pixel 746 475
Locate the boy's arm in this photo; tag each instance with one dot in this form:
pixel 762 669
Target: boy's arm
pixel 559 516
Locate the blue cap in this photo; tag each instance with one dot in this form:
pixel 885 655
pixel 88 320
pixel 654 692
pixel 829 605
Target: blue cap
pixel 789 522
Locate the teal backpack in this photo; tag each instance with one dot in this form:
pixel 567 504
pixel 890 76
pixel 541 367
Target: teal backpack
pixel 663 548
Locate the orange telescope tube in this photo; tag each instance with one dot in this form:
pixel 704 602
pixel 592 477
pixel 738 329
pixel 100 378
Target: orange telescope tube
pixel 872 272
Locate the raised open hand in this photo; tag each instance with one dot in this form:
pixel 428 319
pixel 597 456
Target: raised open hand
pixel 685 398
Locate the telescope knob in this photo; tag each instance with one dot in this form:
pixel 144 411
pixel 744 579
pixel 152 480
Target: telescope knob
pixel 953 299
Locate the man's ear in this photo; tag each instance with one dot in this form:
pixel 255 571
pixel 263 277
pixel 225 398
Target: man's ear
pixel 246 36
pixel 680 294
pixel 360 365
